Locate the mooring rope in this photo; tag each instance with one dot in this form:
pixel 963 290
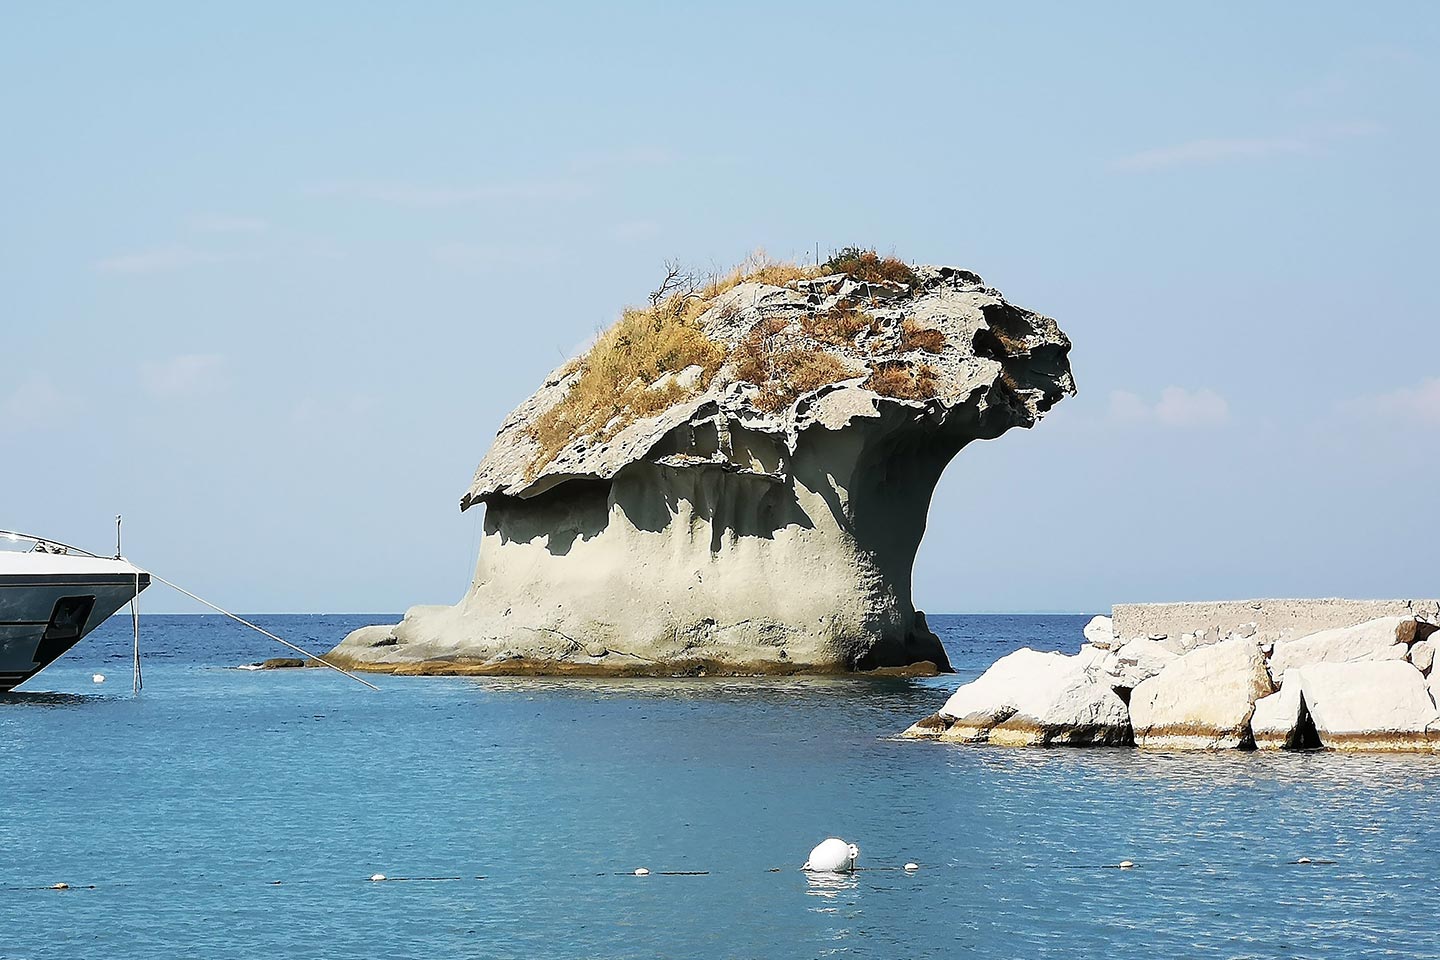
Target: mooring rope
pixel 136 682
pixel 280 640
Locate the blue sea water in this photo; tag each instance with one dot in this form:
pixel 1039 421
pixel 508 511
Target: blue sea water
pixel 172 815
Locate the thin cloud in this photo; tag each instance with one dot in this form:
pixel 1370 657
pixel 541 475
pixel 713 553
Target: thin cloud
pixel 633 231
pixel 184 375
pixel 34 402
pixel 155 260
pixel 1420 403
pixel 493 256
pixel 231 225
pixel 1176 407
pixel 1210 151
pixel 418 195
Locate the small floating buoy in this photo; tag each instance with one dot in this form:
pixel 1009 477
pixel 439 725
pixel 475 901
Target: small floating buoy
pixel 1125 864
pixel 98 678
pixel 832 856
pixel 641 872
pixel 377 877
pixel 912 866
pixel 60 886
pixel 1303 860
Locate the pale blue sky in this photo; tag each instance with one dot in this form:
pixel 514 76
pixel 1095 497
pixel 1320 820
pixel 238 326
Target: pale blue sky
pixel 272 274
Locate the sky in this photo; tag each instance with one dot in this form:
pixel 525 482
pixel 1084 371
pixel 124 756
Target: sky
pixel 272 274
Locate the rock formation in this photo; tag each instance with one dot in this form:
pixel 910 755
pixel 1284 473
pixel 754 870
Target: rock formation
pixel 735 478
pixel 1348 685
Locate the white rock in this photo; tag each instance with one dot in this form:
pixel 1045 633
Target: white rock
pixel 1100 632
pixel 1385 638
pixel 1203 700
pixel 832 856
pixel 1276 723
pixel 1138 661
pixel 1030 697
pixel 1370 705
pixel 1422 654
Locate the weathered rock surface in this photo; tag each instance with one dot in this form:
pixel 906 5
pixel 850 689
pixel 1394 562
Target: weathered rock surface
pixel 1385 638
pixel 1370 705
pixel 718 534
pixel 1030 698
pixel 1100 632
pixel 1137 661
pixel 1202 700
pixel 1280 721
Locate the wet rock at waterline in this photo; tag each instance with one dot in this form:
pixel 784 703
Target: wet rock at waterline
pixel 1353 686
pixel 756 505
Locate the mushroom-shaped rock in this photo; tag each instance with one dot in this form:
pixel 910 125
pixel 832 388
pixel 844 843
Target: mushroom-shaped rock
pixel 832 856
pixel 737 477
pixel 1031 698
pixel 1202 700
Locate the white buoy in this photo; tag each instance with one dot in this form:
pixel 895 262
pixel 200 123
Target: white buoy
pixel 1303 860
pixel 98 678
pixel 376 878
pixel 60 886
pixel 1125 864
pixel 912 866
pixel 832 856
pixel 641 872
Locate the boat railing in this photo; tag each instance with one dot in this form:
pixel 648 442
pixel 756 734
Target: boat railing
pixel 41 544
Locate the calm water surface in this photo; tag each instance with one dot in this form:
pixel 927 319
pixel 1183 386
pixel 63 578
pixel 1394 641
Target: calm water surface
pixel 182 806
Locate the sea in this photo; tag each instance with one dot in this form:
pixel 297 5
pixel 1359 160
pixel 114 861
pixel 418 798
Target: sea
pixel 224 813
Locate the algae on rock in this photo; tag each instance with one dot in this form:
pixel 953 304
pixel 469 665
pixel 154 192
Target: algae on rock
pixel 736 478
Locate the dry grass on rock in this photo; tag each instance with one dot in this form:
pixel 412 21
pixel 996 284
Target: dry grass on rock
pixel 867 265
pixel 899 380
pixel 614 387
pixel 925 339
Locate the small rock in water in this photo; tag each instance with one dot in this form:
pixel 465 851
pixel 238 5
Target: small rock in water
pixel 642 872
pixel 832 856
pixel 98 678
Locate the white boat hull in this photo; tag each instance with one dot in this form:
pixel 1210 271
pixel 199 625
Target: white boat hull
pixel 49 603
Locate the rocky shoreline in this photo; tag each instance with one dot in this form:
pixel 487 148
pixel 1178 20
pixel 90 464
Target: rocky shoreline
pixel 1294 675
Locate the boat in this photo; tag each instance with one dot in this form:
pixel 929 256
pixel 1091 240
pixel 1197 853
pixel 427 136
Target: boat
pixel 51 596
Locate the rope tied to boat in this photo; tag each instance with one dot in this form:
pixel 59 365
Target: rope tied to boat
pixel 259 629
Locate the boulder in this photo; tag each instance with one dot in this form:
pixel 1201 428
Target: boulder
pixel 1281 721
pixel 1137 661
pixel 1202 700
pixel 1032 698
pixel 1422 654
pixel 1100 632
pixel 1384 638
pixel 758 514
pixel 1370 705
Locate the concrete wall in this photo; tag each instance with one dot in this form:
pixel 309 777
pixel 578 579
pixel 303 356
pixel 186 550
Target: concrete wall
pixel 1273 618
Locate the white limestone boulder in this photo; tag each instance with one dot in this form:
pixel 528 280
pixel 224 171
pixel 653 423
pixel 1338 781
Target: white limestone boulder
pixel 1137 661
pixel 1280 721
pixel 1031 698
pixel 1370 705
pixel 1202 700
pixel 1384 638
pixel 1422 654
pixel 1100 632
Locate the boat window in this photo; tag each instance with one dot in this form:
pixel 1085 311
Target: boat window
pixel 67 620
